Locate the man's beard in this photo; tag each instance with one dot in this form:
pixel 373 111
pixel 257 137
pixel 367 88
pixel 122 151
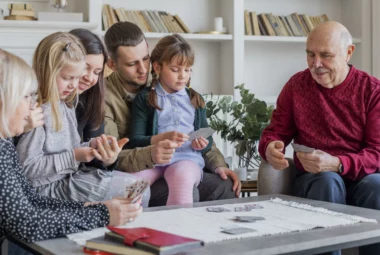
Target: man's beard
pixel 135 84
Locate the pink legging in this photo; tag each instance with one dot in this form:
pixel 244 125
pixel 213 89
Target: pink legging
pixel 181 178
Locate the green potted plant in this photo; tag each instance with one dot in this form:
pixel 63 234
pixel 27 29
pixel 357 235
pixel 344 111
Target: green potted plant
pixel 249 117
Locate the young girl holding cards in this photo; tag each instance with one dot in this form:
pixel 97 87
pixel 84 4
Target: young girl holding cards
pixel 51 155
pixel 171 109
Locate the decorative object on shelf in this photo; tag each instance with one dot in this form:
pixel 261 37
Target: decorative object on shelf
pixel 249 117
pixel 60 15
pixel 218 24
pixel 20 12
pixel 59 4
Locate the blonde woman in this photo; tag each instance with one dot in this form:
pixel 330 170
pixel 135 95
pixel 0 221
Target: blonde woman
pixel 24 214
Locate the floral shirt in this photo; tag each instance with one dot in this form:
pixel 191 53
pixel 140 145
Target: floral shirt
pixel 27 216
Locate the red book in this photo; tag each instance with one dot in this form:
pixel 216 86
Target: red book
pixel 152 240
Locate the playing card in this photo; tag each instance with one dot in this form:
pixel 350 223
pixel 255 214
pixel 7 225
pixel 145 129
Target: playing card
pixel 202 132
pixel 238 230
pixel 249 218
pixel 135 190
pixel 217 209
pixel 242 209
pixel 254 206
pixel 302 148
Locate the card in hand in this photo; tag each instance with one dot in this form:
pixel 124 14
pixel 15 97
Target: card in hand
pixel 135 190
pixel 202 132
pixel 302 148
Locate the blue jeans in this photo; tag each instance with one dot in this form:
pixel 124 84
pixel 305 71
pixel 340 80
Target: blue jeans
pixel 331 187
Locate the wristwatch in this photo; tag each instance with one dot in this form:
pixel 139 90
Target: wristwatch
pixel 340 168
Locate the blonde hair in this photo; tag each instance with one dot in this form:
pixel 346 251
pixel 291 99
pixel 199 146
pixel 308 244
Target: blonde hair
pixel 53 53
pixel 17 80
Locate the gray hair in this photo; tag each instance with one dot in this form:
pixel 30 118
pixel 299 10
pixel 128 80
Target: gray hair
pixel 17 80
pixel 346 39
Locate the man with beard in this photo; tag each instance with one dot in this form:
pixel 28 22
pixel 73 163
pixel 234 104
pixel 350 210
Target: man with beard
pixel 334 108
pixel 130 61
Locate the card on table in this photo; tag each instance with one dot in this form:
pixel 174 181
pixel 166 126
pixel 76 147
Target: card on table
pixel 254 206
pixel 202 132
pixel 249 218
pixel 217 209
pixel 242 209
pixel 237 230
pixel 302 148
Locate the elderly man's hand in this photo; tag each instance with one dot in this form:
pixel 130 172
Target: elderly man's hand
pixel 274 155
pixel 224 173
pixel 318 161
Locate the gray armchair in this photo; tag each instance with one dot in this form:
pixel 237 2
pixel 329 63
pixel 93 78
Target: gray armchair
pixel 272 181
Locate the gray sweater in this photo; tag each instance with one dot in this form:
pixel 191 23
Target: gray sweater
pixel 46 155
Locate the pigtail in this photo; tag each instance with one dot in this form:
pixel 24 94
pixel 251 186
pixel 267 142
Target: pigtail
pixel 195 97
pixel 152 95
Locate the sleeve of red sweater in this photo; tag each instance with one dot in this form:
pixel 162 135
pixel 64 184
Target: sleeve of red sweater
pixel 366 161
pixel 282 126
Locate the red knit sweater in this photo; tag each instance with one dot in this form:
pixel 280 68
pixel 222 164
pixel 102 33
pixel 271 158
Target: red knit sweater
pixel 343 121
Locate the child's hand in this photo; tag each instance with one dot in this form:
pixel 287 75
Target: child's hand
pixel 108 148
pixel 35 119
pixel 173 136
pixel 84 154
pixel 199 143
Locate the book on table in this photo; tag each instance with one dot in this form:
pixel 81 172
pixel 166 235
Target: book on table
pixel 141 241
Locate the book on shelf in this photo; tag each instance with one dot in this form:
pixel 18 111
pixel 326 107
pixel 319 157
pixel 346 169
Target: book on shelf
pixel 20 6
pixel 151 240
pixel 280 25
pixel 22 12
pixel 19 17
pixel 148 21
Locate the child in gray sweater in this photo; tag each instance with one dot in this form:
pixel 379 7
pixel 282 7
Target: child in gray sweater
pixel 51 155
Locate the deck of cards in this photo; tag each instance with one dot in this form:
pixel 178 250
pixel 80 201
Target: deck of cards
pixel 202 132
pixel 136 190
pixel 302 148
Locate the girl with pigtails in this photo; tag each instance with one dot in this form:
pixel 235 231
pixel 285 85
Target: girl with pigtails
pixel 171 109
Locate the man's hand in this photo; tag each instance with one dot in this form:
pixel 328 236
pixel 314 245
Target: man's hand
pixel 224 173
pixel 173 136
pixel 274 155
pixel 318 161
pixel 162 152
pixel 35 118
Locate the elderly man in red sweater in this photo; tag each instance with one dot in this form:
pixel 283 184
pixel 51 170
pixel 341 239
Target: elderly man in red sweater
pixel 335 108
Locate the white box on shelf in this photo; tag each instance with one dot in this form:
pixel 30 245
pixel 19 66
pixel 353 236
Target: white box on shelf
pixel 60 16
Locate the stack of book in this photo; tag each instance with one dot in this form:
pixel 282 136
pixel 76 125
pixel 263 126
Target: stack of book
pixel 148 21
pixel 140 241
pixel 20 12
pixel 275 25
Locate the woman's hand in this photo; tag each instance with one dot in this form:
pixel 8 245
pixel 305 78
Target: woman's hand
pixel 108 149
pixel 122 211
pixel 35 119
pixel 199 143
pixel 173 136
pixel 84 154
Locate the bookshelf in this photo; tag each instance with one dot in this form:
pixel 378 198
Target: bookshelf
pixel 263 63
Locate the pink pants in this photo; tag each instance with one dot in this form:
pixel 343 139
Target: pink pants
pixel 181 178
